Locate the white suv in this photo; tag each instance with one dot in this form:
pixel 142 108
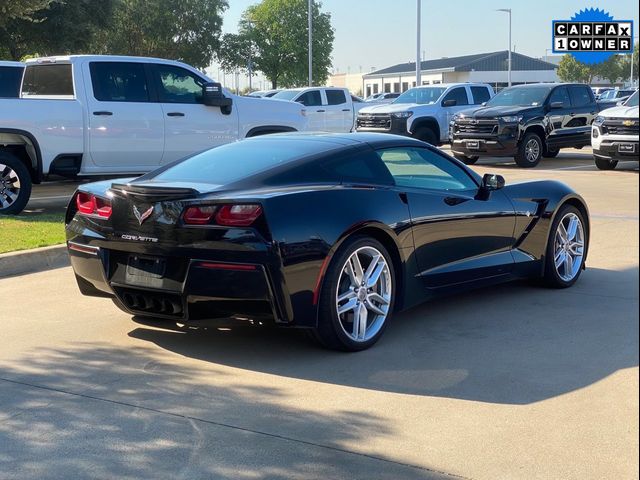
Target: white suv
pixel 614 134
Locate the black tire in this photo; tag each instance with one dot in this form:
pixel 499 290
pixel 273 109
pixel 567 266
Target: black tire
pixel 466 159
pixel 12 171
pixel 551 276
pixel 426 134
pixel 551 152
pixel 605 163
pixel 330 333
pixel 533 141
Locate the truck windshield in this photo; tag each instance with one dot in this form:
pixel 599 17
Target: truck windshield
pixel 286 94
pixel 421 96
pixel 632 101
pixel 521 96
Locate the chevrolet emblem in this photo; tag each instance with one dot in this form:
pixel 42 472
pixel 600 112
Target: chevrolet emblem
pixel 628 123
pixel 142 216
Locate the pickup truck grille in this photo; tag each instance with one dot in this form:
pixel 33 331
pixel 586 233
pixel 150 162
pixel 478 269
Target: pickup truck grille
pixel 621 126
pixel 488 126
pixel 374 120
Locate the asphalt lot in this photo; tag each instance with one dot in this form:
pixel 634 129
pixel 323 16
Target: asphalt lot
pixel 512 382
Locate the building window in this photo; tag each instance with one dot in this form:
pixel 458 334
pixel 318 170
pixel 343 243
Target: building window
pixel 396 87
pixel 368 91
pixel 387 88
pixel 413 84
pixel 405 86
pixel 437 81
pixel 426 82
pixel 375 88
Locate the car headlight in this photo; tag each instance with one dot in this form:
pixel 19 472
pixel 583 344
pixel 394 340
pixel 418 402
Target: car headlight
pixel 456 117
pixel 599 120
pixel 511 118
pixel 401 114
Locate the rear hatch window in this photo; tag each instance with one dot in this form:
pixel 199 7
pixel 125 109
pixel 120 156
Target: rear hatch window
pixel 51 80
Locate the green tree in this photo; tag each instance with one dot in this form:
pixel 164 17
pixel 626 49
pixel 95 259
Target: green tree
pixel 626 66
pixel 571 70
pixel 186 30
pixel 274 34
pixel 611 69
pixel 62 28
pixel 12 9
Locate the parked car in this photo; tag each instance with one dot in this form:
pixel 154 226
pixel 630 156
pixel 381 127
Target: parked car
pixel 329 109
pixel 329 232
pixel 10 79
pixel 383 97
pixel 597 91
pixel 614 134
pixel 423 112
pixel 264 93
pixel 526 122
pixel 108 115
pixel 614 97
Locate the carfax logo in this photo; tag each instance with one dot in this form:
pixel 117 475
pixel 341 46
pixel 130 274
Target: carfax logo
pixel 592 36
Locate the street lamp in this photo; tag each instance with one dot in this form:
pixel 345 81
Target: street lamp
pixel 633 50
pixel 508 10
pixel 310 21
pixel 418 63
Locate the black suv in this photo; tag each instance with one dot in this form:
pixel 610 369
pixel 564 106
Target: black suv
pixel 527 122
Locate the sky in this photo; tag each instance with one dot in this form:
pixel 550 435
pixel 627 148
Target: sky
pixel 380 33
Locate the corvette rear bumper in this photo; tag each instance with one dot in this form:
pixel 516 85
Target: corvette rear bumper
pixel 181 289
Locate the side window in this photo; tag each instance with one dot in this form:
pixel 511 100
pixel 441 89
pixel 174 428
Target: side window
pixel 48 79
pixel 560 95
pixel 361 167
pixel 480 95
pixel 119 82
pixel 423 168
pixel 459 94
pixel 335 97
pixel 178 85
pixel 10 78
pixel 579 96
pixel 311 98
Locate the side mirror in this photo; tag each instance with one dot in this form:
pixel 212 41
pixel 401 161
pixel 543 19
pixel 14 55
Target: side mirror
pixel 491 182
pixel 449 103
pixel 212 96
pixel 483 104
pixel 556 105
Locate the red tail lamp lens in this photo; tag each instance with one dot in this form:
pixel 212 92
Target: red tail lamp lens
pixel 198 215
pixel 91 205
pixel 238 215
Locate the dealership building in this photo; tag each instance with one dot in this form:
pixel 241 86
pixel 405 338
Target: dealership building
pixel 491 68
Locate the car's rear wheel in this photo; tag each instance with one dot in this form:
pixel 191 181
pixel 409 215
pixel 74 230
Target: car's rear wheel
pixel 357 297
pixel 467 159
pixel 15 184
pixel 566 249
pixel 529 151
pixel 605 163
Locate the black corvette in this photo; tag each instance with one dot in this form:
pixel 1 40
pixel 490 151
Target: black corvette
pixel 329 232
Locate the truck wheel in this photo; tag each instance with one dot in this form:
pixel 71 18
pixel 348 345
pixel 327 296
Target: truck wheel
pixel 551 152
pixel 426 135
pixel 529 151
pixel 466 159
pixel 605 163
pixel 15 184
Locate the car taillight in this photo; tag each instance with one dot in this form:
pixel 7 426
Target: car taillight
pixel 198 215
pixel 238 215
pixel 89 204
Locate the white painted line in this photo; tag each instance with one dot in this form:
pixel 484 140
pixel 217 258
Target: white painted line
pixel 59 197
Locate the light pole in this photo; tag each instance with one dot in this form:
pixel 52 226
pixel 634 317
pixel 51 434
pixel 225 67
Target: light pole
pixel 546 53
pixel 508 10
pixel 418 63
pixel 310 21
pixel 633 50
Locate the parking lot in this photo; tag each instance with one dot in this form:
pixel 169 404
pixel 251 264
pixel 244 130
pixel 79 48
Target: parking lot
pixel 510 382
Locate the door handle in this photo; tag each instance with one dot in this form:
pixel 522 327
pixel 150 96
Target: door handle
pixel 175 114
pixel 103 112
pixel 320 111
pixel 572 114
pixel 346 110
pixel 453 201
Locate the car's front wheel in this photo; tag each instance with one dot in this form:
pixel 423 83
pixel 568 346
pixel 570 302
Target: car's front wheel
pixel 15 184
pixel 605 163
pixel 467 159
pixel 566 248
pixel 357 297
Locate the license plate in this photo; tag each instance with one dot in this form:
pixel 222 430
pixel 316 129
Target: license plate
pixel 626 147
pixel 473 144
pixel 145 271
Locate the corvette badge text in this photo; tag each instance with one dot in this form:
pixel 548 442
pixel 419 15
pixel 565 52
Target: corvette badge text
pixel 592 36
pixel 138 238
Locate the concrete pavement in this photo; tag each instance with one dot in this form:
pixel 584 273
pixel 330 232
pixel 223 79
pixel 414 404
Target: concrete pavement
pixel 512 382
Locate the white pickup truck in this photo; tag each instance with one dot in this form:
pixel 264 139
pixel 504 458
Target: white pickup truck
pixel 329 109
pixel 614 134
pixel 108 115
pixel 423 112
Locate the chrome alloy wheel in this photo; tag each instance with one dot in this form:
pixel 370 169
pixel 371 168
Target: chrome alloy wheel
pixel 9 186
pixel 569 247
pixel 363 295
pixel 532 150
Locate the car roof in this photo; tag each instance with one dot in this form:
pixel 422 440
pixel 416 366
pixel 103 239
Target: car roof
pixel 8 63
pixel 344 139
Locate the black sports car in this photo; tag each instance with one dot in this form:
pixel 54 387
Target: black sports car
pixel 329 232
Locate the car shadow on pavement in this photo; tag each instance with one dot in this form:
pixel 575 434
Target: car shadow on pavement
pixel 511 344
pixel 98 411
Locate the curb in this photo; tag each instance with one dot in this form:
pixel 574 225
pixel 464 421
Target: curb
pixel 35 260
